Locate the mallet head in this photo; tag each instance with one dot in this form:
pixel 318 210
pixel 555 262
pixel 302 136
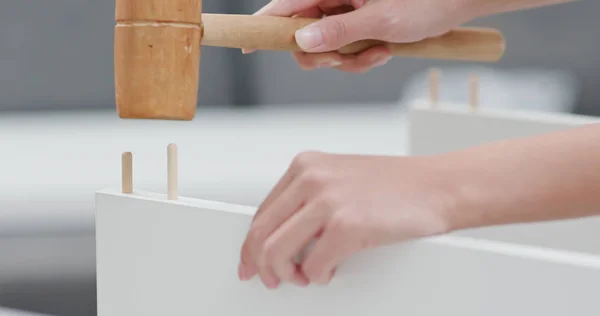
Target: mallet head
pixel 157 58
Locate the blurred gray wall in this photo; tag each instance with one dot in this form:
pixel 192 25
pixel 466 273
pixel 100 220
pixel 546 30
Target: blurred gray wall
pixel 58 53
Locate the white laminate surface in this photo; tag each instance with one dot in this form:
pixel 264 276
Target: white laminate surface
pixel 183 259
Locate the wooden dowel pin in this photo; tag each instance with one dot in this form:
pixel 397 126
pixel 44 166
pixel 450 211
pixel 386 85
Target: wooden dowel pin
pixel 172 171
pixel 434 86
pixel 127 172
pixel 473 91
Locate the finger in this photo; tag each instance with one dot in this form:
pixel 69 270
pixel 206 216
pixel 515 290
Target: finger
pixel 310 12
pixel 318 60
pixel 246 268
pixel 328 252
pixel 282 208
pixel 311 61
pixel 267 275
pixel 301 58
pixel 335 8
pixel 276 192
pixel 290 201
pixel 373 57
pixel 286 7
pixel 293 236
pixel 365 61
pixel 335 31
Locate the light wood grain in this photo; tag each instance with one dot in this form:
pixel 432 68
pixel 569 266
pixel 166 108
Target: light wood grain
pixel 156 71
pixel 172 171
pixel 127 172
pixel 182 11
pixel 473 91
pixel 434 86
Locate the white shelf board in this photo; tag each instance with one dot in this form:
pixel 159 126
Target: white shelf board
pixel 159 257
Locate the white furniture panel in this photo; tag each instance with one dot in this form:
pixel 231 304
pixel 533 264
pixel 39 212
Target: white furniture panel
pixel 163 257
pixel 449 126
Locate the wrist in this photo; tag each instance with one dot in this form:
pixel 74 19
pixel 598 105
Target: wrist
pixel 446 195
pixel 460 194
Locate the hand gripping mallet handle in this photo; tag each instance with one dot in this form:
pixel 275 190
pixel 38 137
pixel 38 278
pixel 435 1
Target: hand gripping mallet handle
pixel 277 33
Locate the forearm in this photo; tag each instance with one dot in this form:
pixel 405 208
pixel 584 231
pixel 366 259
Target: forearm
pixel 548 177
pixel 482 8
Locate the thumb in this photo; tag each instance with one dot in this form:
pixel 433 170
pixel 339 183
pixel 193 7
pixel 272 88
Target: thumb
pixel 335 31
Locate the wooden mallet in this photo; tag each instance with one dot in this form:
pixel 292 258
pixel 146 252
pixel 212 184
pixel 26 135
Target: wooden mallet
pixel 157 50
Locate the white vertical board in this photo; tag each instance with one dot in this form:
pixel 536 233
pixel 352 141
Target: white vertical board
pixel 161 257
pixel 448 127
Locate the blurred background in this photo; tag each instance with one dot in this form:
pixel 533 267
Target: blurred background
pixel 56 84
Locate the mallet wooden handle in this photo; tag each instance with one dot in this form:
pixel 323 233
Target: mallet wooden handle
pixel 277 33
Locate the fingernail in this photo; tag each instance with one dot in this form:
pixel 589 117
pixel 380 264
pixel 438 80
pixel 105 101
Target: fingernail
pixel 302 282
pixel 242 272
pixel 250 271
pixel 332 274
pixel 247 51
pixel 309 37
pixel 246 272
pixel 329 64
pixel 271 284
pixel 380 60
